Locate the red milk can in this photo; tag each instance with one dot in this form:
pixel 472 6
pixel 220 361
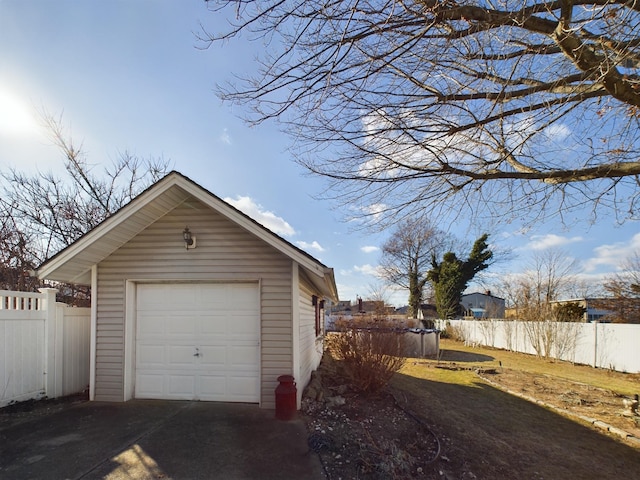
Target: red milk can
pixel 286 398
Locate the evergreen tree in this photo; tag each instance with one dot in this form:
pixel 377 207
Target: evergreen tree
pixel 451 276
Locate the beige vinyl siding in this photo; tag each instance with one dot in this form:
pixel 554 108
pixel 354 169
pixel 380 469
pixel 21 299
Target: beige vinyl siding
pixel 310 345
pixel 224 252
pixel 110 340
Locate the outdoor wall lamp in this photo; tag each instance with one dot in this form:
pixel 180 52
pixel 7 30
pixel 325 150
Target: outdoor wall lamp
pixel 189 240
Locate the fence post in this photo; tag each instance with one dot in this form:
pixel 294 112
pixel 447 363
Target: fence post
pixel 595 344
pixel 51 336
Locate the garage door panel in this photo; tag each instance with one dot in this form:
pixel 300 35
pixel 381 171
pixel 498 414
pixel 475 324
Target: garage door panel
pixel 147 385
pixel 215 295
pixel 219 324
pixel 155 296
pixel 242 356
pixel 150 356
pixel 213 387
pixel 184 295
pixel 213 356
pixel 242 325
pixel 242 294
pixel 180 325
pixel 150 323
pixel 212 325
pixel 182 386
pixel 244 387
pixel 180 356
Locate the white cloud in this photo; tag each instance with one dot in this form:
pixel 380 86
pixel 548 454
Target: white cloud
pixel 376 209
pixel 369 249
pixel 613 255
pixel 310 246
pixel 259 214
pixel 366 269
pixel 551 240
pixel 225 137
pixel 557 132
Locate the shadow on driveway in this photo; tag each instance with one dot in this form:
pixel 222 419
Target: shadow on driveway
pixel 144 439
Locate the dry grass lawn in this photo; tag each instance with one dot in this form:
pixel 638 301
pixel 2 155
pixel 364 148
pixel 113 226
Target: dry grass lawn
pixel 497 435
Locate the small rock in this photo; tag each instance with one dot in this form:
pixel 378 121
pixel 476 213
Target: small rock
pixel 310 392
pixel 342 389
pixel 336 401
pixel 318 442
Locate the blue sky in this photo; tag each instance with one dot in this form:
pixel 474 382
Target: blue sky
pixel 128 75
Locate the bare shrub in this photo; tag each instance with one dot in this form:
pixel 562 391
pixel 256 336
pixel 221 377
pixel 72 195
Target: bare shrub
pixel 489 329
pixel 370 352
pixel 454 332
pixel 566 339
pixel 510 329
pixel 540 336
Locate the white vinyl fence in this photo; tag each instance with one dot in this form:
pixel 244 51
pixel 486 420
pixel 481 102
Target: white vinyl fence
pixel 44 346
pixel 613 346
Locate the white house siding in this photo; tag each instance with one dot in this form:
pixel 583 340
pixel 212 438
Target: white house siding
pixel 224 252
pixel 310 345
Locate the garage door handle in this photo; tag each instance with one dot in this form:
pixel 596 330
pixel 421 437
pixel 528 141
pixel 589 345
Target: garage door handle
pixel 197 354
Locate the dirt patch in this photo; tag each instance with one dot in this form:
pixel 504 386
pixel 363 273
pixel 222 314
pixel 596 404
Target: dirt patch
pixel 577 398
pixel 373 437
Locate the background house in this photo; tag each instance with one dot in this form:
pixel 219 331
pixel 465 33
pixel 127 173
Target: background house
pixel 591 305
pixel 482 305
pixel 192 299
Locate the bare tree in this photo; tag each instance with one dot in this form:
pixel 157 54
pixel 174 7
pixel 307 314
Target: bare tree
pixel 406 257
pixel 550 275
pixel 16 258
pixel 512 108
pixel 624 291
pixel 42 213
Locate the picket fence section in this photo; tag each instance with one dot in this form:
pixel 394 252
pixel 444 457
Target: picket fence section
pixel 44 346
pixel 612 346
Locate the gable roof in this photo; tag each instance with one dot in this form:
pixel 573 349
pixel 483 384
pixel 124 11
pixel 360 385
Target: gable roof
pixel 73 263
pixel 482 294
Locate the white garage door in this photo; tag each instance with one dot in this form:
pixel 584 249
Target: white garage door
pixel 198 342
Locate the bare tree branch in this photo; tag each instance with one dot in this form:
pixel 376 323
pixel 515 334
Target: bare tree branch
pixel 427 104
pixel 42 213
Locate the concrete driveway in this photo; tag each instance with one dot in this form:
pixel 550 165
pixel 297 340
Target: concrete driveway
pixel 157 440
